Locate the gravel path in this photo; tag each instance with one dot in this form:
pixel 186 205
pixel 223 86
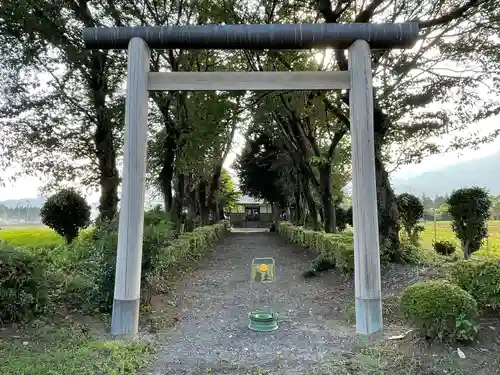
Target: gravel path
pixel 212 336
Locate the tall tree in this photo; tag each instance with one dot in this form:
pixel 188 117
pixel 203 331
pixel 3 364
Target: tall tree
pixel 66 127
pixel 407 83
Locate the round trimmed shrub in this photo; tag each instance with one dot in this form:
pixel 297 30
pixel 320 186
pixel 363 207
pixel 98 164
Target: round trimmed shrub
pixel 444 247
pixel 66 212
pixel 441 310
pixel 23 288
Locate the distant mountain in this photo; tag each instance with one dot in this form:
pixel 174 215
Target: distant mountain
pixel 25 202
pixel 483 172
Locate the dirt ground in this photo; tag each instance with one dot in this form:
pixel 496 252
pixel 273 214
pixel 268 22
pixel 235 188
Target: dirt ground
pixel 206 315
pixel 200 324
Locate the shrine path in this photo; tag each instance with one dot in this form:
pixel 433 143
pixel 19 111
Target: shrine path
pixel 212 335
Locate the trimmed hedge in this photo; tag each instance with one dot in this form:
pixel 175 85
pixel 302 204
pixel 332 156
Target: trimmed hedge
pixel 480 278
pixel 441 310
pixel 190 246
pixel 23 285
pixel 337 250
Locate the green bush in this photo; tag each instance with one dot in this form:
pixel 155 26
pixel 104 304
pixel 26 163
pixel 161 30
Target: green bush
pixel 333 250
pixel 411 254
pixel 344 257
pixel 411 210
pixel 470 210
pixel 480 279
pixel 157 235
pixel 66 212
pixel 348 214
pixel 341 218
pixel 161 254
pixel 105 238
pixel 441 310
pixel 444 247
pixel 23 289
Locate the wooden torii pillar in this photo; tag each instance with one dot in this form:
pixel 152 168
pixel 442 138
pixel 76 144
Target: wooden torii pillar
pixel 357 38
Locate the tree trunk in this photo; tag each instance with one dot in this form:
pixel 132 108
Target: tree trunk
pixel 109 180
pixel 311 204
pixel 221 212
pixel 275 209
pixel 214 187
pixel 325 178
pixel 298 207
pixel 108 173
pixel 167 172
pixel 179 198
pixel 202 198
pixel 109 177
pixel 467 253
pixel 388 215
pixel 191 217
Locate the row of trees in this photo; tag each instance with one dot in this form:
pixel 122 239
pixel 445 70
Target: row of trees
pixel 62 109
pixel 26 213
pixel 439 207
pixel 469 209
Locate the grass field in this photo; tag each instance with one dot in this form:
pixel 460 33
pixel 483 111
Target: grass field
pixel 443 232
pixel 63 342
pixel 30 236
pixel 61 349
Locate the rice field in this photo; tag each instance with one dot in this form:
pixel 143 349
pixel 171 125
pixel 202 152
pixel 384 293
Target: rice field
pixel 443 231
pixel 30 236
pixel 41 236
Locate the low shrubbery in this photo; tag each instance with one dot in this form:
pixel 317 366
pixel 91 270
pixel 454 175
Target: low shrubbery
pixel 480 279
pixel 410 254
pixel 333 250
pixel 441 310
pixel 81 275
pixel 23 288
pixel 161 254
pixel 444 247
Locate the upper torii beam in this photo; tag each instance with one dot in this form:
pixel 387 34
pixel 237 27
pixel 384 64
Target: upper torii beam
pixel 256 36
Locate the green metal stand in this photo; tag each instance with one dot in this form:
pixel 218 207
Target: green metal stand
pixel 262 317
pixel 263 321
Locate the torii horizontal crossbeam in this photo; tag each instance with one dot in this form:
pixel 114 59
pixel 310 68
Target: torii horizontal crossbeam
pixel 256 36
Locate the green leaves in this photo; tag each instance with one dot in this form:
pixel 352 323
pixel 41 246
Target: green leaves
pixel 66 212
pixel 470 210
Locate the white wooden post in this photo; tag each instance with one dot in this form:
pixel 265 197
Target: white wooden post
pixel 125 319
pixel 364 195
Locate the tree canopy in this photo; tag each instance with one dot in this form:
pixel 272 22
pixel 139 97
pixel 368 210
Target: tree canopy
pixel 62 107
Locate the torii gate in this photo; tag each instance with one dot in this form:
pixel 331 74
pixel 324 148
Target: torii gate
pixel 357 38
